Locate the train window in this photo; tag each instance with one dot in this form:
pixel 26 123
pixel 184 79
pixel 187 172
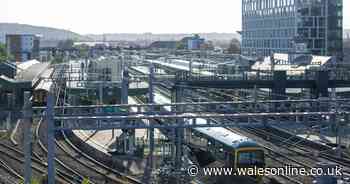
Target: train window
pixel 248 158
pixel 221 153
pixel 210 146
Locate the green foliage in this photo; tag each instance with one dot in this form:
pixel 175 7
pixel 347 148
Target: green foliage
pixel 83 50
pixel 85 181
pixel 57 60
pixel 84 100
pixel 180 45
pixel 34 181
pixel 234 47
pixel 66 44
pixel 3 54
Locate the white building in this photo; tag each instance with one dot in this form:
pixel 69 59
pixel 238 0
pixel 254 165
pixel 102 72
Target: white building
pixel 110 68
pixel 284 62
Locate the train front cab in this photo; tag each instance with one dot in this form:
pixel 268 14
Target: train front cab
pixel 250 157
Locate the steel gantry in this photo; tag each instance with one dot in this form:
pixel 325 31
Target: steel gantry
pixel 72 117
pixel 178 119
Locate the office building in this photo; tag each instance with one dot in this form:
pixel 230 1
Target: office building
pixel 192 42
pixel 290 26
pixel 23 47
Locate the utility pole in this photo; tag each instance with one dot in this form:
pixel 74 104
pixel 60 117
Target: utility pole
pixel 272 63
pixel 100 101
pixel 27 121
pixel 339 122
pixel 50 138
pixel 151 101
pixel 10 105
pixel 191 67
pixel 179 134
pixel 129 135
pixel 149 169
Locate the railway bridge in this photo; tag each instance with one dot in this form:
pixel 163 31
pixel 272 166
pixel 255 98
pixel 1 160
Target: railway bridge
pixel 319 82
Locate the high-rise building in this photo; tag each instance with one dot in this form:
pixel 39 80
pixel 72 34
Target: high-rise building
pixel 285 26
pixel 23 47
pixel 192 42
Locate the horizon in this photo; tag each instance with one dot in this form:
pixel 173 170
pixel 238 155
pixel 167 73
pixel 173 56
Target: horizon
pixel 235 32
pixel 99 17
pixel 152 16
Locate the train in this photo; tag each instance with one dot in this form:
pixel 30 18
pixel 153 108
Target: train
pixel 235 150
pixel 40 94
pixel 42 89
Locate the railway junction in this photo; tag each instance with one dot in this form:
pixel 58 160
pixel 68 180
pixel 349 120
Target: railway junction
pixel 152 121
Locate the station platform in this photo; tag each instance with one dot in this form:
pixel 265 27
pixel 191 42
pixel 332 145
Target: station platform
pixel 104 142
pixel 145 70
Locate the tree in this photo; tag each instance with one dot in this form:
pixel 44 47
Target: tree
pixel 66 44
pixel 3 53
pixel 83 50
pixel 234 47
pixel 180 45
pixel 209 45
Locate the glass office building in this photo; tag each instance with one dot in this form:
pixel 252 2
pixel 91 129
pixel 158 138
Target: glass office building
pixel 286 26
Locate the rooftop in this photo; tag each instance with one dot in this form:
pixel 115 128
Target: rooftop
pixel 301 62
pixel 31 70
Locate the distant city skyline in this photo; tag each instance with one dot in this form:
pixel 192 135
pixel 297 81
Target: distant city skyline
pixel 131 16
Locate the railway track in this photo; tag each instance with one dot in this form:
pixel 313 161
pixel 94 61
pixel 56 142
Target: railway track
pixel 95 171
pixel 308 147
pixel 15 159
pixel 326 150
pixel 280 159
pixel 279 179
pixel 77 177
pixel 9 175
pixel 71 158
pixel 39 167
pixel 70 161
pixel 112 174
pixel 301 146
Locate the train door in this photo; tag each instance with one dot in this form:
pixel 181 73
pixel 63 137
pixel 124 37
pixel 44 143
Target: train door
pixel 231 159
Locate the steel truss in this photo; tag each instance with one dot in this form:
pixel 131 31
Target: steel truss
pixel 133 116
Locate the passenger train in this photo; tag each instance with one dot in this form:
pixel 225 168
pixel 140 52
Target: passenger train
pixel 236 151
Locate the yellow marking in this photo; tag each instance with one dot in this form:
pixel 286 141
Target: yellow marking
pixel 249 149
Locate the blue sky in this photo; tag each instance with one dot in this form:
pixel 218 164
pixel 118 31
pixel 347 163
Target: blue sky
pixel 136 16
